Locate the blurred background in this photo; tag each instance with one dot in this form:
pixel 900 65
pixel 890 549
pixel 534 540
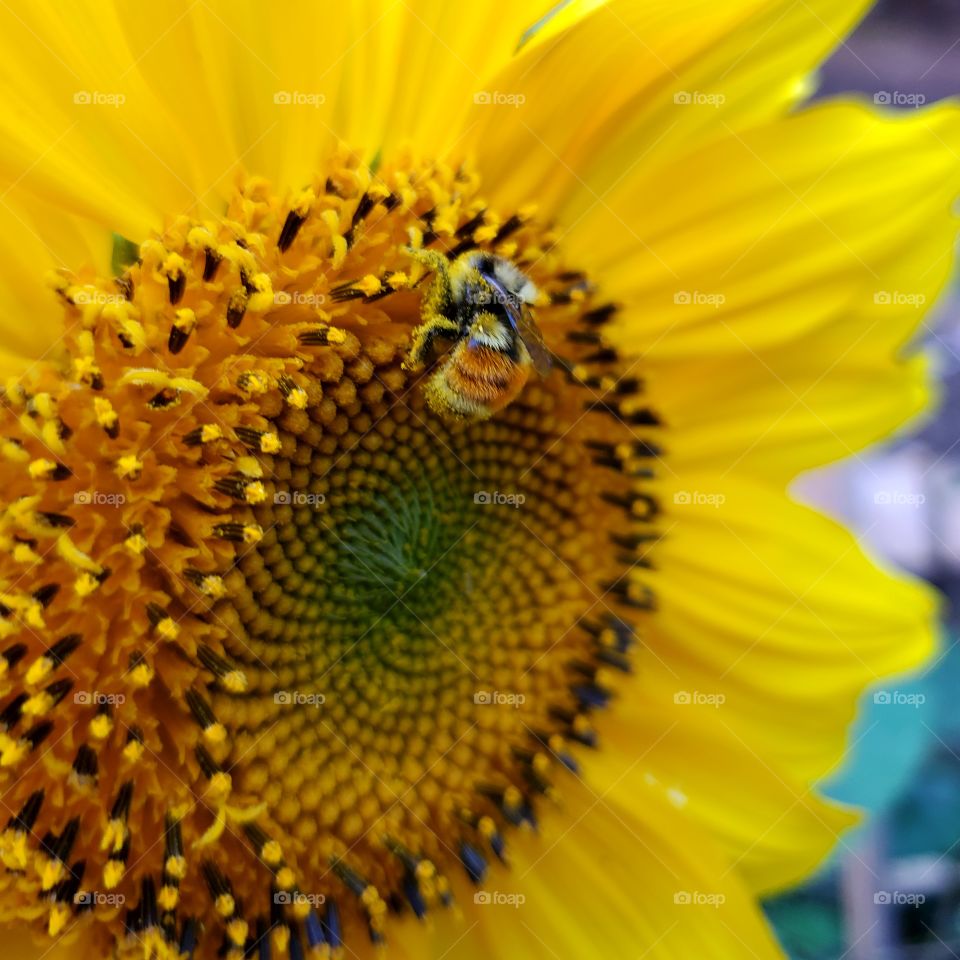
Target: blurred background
pixel 892 890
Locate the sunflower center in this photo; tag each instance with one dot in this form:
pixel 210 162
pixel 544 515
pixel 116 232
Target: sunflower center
pixel 299 649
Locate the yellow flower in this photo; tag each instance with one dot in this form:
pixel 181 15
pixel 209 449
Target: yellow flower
pixel 284 651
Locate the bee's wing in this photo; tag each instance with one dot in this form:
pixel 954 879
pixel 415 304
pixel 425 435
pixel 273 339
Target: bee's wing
pixel 522 320
pixel 533 341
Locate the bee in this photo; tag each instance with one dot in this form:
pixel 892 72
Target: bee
pixel 481 302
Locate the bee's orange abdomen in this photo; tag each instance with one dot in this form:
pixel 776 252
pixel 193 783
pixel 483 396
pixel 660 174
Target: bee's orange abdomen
pixel 476 382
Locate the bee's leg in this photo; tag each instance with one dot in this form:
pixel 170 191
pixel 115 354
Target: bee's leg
pixel 440 295
pixel 423 337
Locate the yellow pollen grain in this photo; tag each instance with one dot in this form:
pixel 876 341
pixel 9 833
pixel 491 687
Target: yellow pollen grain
pixel 370 285
pixel 41 469
pixel 168 629
pixel 271 853
pixel 59 917
pixel 51 873
pixel 136 543
pixel 14 452
pixel 252 533
pixel 216 733
pixel 23 553
pixel 226 905
pixel 38 704
pixel 104 412
pixel 168 897
pixel 12 751
pixel 220 784
pixel 142 674
pixel 39 670
pixel 100 726
pixel 129 467
pixel 113 873
pixel 255 493
pixel 212 586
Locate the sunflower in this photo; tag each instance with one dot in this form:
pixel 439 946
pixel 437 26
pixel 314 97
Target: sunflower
pixel 290 661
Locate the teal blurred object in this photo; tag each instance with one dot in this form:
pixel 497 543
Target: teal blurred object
pixel 890 741
pixel 903 769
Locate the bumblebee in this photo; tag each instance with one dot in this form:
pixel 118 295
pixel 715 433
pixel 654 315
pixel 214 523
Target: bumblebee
pixel 481 302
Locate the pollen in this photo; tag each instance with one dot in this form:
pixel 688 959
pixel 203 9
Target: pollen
pixel 283 653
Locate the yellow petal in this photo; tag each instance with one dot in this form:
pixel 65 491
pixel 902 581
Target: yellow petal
pixel 778 610
pixel 774 828
pixel 125 119
pixel 633 84
pixel 777 413
pixel 603 881
pixel 837 219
